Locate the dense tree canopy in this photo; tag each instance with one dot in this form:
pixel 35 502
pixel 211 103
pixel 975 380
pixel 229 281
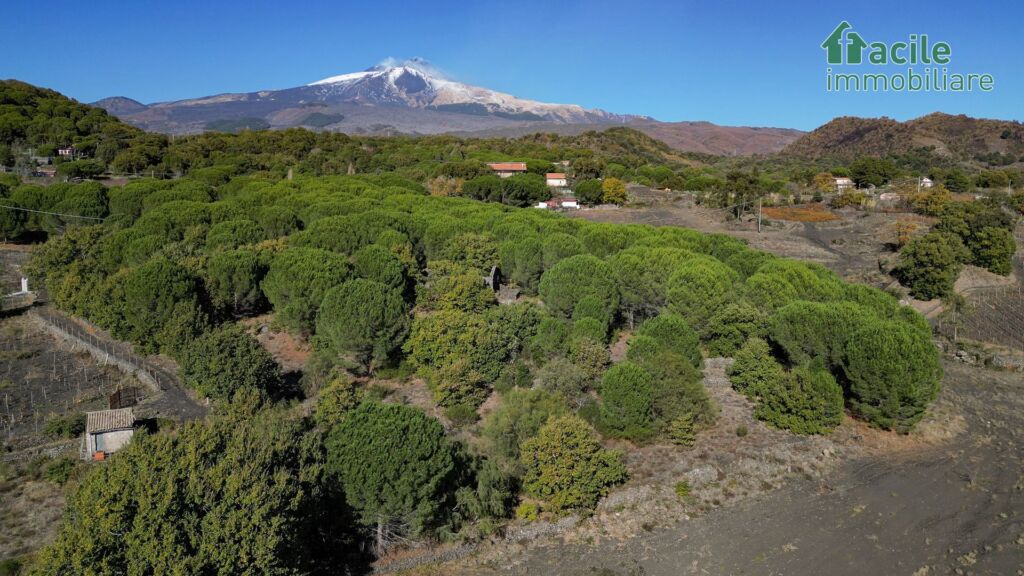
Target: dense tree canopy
pixel 397 468
pixel 365 318
pixel 242 493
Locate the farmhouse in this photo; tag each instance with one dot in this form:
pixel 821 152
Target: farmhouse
pixel 843 183
pixel 107 431
pixel 506 169
pixel 556 179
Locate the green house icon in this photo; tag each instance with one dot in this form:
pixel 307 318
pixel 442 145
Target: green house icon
pixel 833 45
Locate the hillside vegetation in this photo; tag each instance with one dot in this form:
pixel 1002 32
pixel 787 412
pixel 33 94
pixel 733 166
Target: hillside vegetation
pixel 944 136
pixel 385 279
pixel 351 245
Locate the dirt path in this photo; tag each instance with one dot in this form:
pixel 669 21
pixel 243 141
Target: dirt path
pixel 952 508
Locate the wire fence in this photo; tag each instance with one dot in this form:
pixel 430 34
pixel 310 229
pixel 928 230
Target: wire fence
pixel 107 351
pixel 39 380
pixel 996 313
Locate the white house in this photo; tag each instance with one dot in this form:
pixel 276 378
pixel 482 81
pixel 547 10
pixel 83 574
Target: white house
pixel 506 169
pixel 66 152
pixel 556 179
pixel 843 183
pixel 559 203
pixel 107 431
pixel 927 182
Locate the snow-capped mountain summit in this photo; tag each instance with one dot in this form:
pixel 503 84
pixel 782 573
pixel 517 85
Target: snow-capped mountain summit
pixel 417 84
pixel 409 96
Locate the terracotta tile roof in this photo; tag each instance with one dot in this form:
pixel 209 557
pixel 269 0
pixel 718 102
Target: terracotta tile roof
pixel 555 176
pixel 508 166
pixel 106 420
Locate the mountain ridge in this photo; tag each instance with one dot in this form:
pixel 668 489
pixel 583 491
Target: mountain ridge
pixel 412 97
pixel 953 137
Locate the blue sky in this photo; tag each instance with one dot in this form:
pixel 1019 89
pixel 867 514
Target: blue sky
pixel 729 62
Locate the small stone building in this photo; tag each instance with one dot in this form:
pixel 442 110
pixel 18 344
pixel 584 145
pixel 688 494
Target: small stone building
pixel 107 431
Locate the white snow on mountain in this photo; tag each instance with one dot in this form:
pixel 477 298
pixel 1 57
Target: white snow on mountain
pixel 417 84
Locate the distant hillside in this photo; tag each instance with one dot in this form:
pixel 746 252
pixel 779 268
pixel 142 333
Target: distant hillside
pixel 958 138
pixel 118 105
pixel 708 138
pixel 696 137
pixel 38 117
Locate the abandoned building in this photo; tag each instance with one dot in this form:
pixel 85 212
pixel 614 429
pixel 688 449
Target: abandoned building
pixel 107 431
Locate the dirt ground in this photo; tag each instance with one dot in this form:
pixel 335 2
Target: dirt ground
pixel 947 499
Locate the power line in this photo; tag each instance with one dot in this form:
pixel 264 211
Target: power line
pixel 51 213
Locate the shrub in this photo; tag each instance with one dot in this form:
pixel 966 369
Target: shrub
pixel 520 415
pixel 61 470
pixel 461 414
pixel 806 401
pixel 567 468
pixel 627 402
pixel 683 430
pixel 457 383
pixel 741 431
pixel 731 326
pixel 563 377
pixel 669 332
pixel 528 511
pixel 222 361
pixel 930 264
pixel 336 400
pixel 682 489
pixel 514 375
pixel 893 372
pixel 754 369
pixel 11 567
pixel 993 250
pixel 67 426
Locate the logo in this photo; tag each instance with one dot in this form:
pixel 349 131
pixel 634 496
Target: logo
pixel 846 47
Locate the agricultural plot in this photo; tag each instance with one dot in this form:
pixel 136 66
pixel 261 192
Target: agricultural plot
pixel 41 379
